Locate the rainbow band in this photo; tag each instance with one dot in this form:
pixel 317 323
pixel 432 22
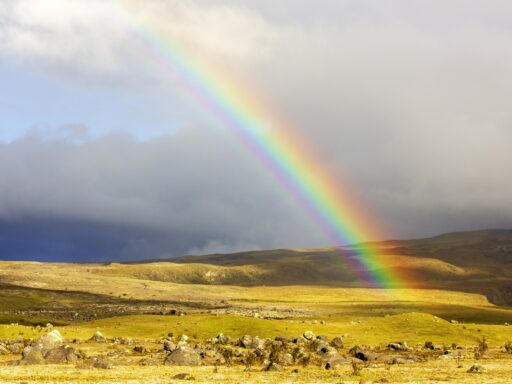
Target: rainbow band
pixel 277 148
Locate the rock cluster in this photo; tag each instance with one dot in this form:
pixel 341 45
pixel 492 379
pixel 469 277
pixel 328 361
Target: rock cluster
pixel 49 349
pixel 252 351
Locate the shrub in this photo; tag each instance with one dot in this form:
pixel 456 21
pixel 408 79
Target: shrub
pixel 356 368
pixel 227 354
pixel 481 348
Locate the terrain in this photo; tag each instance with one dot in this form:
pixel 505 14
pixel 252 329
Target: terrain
pixel 456 295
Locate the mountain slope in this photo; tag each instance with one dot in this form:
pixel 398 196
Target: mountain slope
pixel 475 262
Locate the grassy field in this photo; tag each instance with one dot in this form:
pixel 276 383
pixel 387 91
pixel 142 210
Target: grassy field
pixel 144 302
pixel 498 372
pixel 414 328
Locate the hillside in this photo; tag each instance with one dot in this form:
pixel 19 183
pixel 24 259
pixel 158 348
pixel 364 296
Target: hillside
pixel 478 262
pixel 475 261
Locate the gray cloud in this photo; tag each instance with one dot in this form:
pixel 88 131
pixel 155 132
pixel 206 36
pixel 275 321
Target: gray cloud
pixel 190 192
pixel 407 103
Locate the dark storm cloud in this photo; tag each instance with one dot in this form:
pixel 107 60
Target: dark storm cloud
pixel 48 239
pixel 116 197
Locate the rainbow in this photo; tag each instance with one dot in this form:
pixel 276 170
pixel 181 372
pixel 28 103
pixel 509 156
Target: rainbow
pixel 276 146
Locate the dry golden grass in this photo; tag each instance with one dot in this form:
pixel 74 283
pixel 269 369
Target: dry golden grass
pixel 437 371
pixel 368 316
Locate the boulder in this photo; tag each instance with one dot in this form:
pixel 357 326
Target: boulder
pixel 363 355
pixel 98 337
pixel 3 350
pixel 212 356
pixel 337 342
pixel 183 338
pixel 139 349
pixel 246 341
pixel 223 339
pixel 258 343
pixel 16 348
pixel 331 356
pixel 51 340
pixel 183 357
pixel 49 349
pixel 61 355
pixel 399 346
pixel 32 356
pixel 169 345
pixel 281 358
pixel 318 344
pixel 476 368
pixel 284 339
pixel 308 335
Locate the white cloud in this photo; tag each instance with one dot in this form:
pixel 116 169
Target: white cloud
pixel 107 37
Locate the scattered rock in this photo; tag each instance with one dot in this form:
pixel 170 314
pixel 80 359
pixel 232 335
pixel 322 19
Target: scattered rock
pixel 399 346
pixel 258 343
pixel 169 345
pixel 63 354
pixel 182 376
pixel 337 342
pixel 184 338
pixel 139 349
pixel 246 341
pixel 281 358
pixel 102 364
pixel 274 367
pixel 476 368
pixel 308 335
pixel 98 337
pixel 223 339
pixel 332 357
pixel 51 340
pixel 360 354
pixel 49 349
pixel 183 357
pixel 318 344
pixel 32 356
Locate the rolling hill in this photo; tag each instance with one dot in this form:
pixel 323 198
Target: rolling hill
pixel 475 261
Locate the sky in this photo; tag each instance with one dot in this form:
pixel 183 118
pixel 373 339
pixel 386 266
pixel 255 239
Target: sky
pixel 103 156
